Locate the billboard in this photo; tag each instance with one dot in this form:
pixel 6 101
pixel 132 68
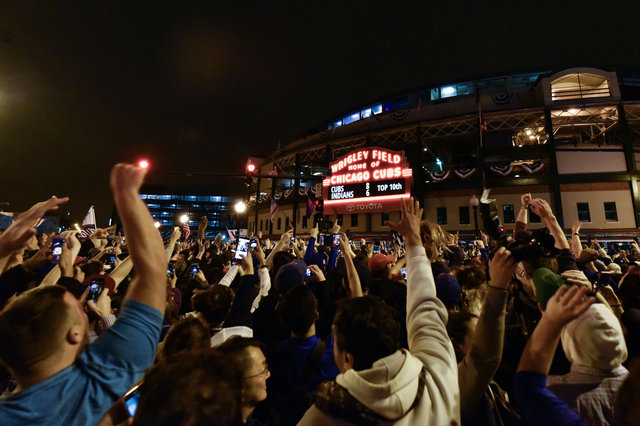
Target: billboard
pixel 367 180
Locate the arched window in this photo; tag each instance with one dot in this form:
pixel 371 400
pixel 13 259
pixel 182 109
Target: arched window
pixel 580 86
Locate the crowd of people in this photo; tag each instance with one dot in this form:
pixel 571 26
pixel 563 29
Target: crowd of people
pixel 125 328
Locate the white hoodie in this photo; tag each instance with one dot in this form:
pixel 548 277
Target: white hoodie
pixel 390 386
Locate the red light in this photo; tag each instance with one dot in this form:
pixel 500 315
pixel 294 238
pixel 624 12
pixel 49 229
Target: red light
pixel 251 167
pixel 143 164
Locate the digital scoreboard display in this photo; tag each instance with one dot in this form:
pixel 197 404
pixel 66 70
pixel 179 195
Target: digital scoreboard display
pixel 367 189
pixel 367 180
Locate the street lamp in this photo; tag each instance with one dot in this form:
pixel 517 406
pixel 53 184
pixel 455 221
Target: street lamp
pixel 240 207
pixel 157 224
pixel 475 203
pixel 184 218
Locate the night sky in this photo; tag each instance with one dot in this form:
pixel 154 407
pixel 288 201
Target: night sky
pixel 198 86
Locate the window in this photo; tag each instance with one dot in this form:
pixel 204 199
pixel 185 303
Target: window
pixel 340 219
pixel 580 86
pixel 441 213
pixel 508 213
pixel 279 223
pixel 583 212
pixel 377 109
pixel 610 211
pixel 351 118
pixel 534 218
pixel 354 220
pixel 337 123
pixel 365 113
pixel 464 215
pixel 384 216
pixel 304 222
pixel 286 223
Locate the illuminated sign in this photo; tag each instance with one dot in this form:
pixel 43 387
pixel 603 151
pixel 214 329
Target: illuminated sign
pixel 367 180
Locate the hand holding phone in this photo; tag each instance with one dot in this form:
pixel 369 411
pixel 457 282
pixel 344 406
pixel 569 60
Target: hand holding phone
pixel 194 270
pixel 243 248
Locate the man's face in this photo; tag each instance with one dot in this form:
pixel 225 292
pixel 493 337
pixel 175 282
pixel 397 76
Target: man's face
pixel 79 317
pixel 254 387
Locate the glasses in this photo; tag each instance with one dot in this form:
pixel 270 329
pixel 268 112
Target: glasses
pixel 260 374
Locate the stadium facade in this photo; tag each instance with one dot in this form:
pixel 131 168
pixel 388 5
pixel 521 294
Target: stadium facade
pixel 571 137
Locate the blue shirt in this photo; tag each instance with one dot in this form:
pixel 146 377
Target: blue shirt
pixel 83 392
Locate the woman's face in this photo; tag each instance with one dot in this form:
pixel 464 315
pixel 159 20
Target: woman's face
pixel 254 387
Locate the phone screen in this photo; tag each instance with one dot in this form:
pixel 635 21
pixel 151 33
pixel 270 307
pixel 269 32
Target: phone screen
pixel 336 240
pixel 56 246
pixel 170 270
pixel 131 399
pixel 308 273
pixel 403 271
pixel 194 270
pixel 243 248
pixel 376 249
pixel 95 289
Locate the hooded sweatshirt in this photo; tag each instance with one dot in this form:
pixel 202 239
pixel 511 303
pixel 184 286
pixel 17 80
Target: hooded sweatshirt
pixel 390 388
pixel 595 346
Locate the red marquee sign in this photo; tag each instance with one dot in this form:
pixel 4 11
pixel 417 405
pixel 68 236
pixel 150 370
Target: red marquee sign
pixel 367 180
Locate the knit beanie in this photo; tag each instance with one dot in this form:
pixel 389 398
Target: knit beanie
pixel 547 283
pixel 448 289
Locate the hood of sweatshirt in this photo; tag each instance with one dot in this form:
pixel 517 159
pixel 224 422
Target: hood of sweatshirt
pixel 389 387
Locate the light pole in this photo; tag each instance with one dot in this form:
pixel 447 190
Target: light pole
pixel 475 203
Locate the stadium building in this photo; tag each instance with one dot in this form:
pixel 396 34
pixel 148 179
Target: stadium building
pixel 571 137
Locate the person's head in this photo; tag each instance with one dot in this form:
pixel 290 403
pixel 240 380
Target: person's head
pixel 433 238
pixel 364 331
pixel 289 275
pixel 192 388
pixel 279 259
pixel 92 267
pixel 460 326
pixel 185 335
pixel 595 339
pixel 214 304
pixel 40 324
pixel 448 290
pixel 248 356
pixel 629 291
pixel 298 310
pixel 380 265
pixel 471 276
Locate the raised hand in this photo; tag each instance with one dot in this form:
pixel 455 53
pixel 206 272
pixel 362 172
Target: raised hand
pixel 566 305
pixel 246 267
pixel 314 232
pixel 23 227
pixel 525 199
pixel 575 228
pixel 126 179
pixel 541 208
pixel 501 268
pixel 103 306
pixel 409 225
pixel 316 274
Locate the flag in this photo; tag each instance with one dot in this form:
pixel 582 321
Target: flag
pixel 232 233
pixel 273 210
pixel 310 206
pixel 186 231
pixel 88 223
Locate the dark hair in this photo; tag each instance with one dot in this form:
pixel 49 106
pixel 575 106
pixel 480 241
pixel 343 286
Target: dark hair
pixel 458 327
pixel 471 276
pixel 33 326
pixel 298 309
pixel 193 388
pixel 629 292
pixel 187 334
pixel 281 258
pixel 366 328
pixel 92 267
pixel 531 265
pixel 235 349
pixel 214 304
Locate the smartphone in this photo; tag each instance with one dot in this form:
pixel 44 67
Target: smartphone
pixel 403 272
pixel 376 249
pixel 254 244
pixel 194 270
pixel 131 398
pixel 56 246
pixel 95 288
pixel 336 240
pixel 243 248
pixel 308 273
pixel 357 243
pixel 293 240
pixel 171 270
